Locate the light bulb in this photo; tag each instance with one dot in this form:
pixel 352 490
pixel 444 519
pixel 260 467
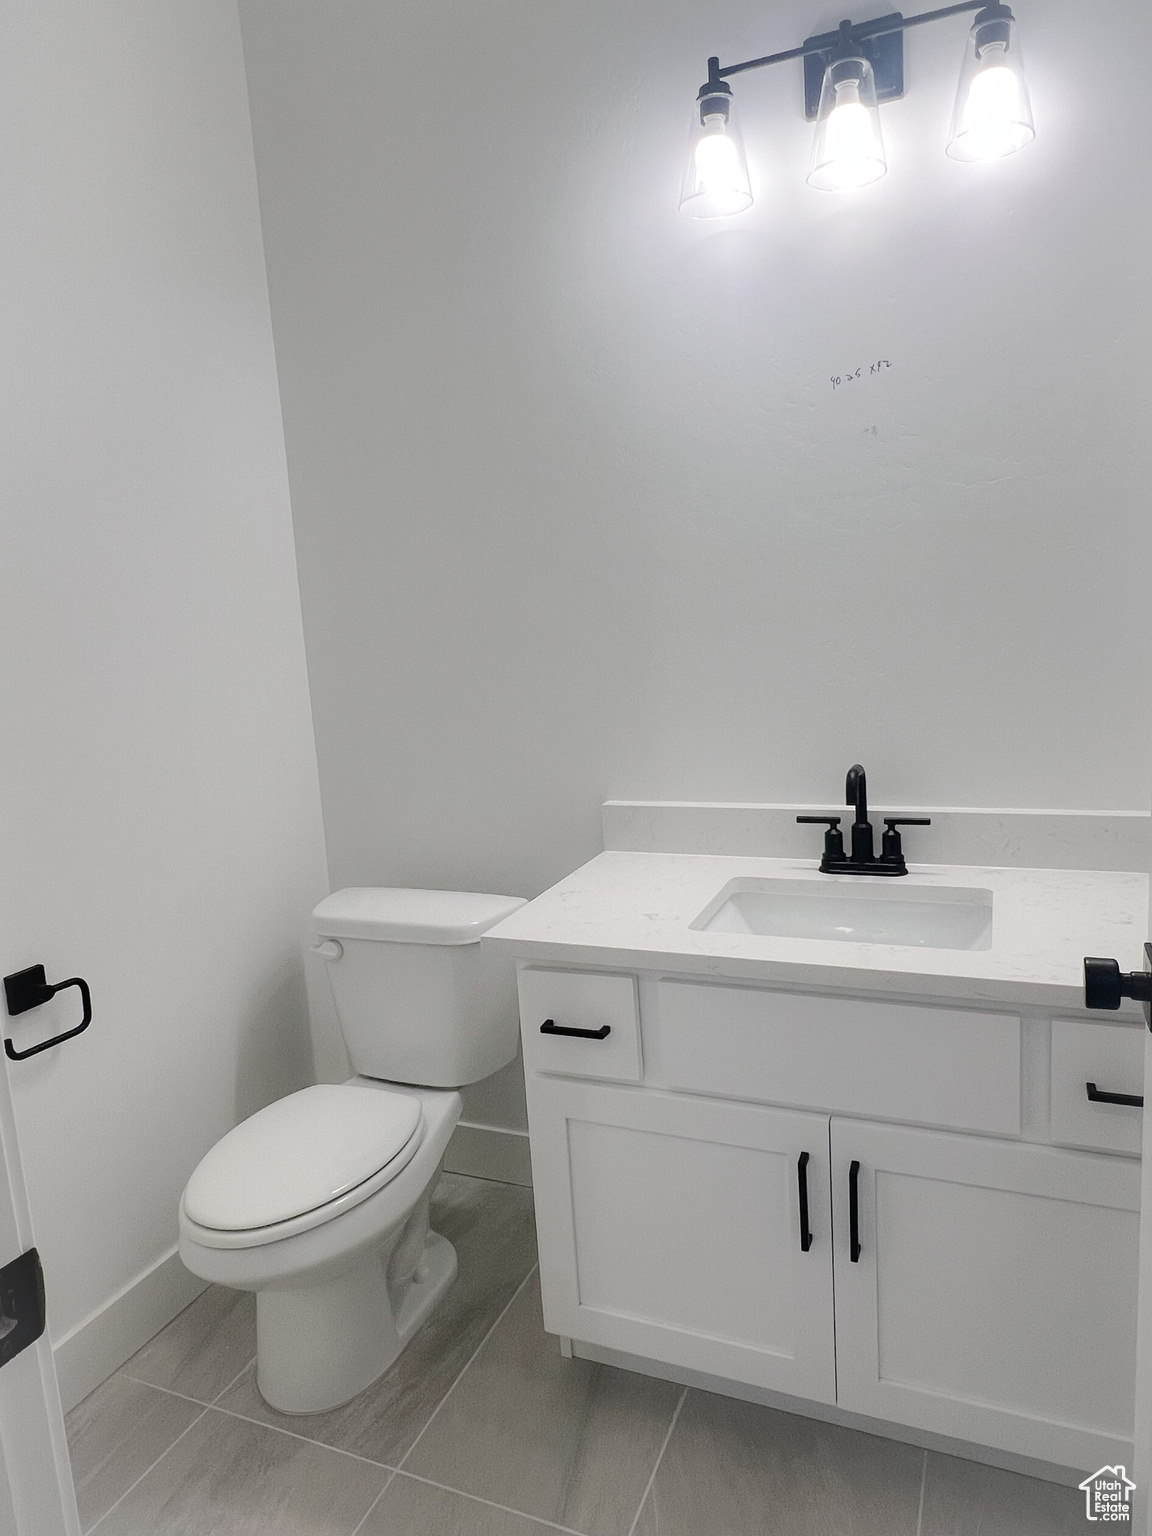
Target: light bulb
pixel 717 163
pixel 994 119
pixel 854 157
pixel 848 151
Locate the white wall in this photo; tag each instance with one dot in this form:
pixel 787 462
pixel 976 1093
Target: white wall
pixel 160 815
pixel 578 511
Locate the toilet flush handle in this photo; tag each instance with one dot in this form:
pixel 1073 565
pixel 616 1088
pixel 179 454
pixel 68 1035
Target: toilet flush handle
pixel 328 949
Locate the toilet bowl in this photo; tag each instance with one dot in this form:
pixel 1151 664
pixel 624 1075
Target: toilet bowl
pixel 319 1202
pixel 342 1285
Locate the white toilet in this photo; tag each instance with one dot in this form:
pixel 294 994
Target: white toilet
pixel 319 1203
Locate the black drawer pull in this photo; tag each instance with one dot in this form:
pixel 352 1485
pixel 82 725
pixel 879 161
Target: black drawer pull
pixel 550 1027
pixel 1098 1096
pixel 854 1212
pixel 802 1182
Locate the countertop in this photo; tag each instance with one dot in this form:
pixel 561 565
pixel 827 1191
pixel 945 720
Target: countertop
pixel 633 911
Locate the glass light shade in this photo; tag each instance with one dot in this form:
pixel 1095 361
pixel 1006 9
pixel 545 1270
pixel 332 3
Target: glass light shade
pixel 993 115
pixel 716 182
pixel 848 151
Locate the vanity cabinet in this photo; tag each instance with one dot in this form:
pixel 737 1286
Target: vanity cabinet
pixel 984 1284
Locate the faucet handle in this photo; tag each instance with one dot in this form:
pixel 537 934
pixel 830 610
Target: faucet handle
pixel 891 851
pixel 833 838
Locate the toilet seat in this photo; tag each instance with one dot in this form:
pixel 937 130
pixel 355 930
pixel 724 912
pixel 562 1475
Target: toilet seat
pixel 300 1162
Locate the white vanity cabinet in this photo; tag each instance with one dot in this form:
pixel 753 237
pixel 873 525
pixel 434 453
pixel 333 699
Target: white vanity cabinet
pixel 984 1283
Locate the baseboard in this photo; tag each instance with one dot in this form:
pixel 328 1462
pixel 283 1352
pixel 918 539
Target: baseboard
pixel 490 1152
pixel 91 1351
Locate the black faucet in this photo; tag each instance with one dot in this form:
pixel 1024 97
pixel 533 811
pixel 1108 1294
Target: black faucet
pixel 863 860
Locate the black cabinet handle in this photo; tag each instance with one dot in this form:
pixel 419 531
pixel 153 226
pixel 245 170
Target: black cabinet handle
pixel 854 1211
pixel 550 1027
pixel 28 989
pixel 1098 1096
pixel 802 1183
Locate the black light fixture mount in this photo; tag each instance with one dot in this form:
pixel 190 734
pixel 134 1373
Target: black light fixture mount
pixel 880 41
pixel 883 50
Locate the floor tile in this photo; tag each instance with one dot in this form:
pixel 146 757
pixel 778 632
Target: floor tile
pixel 412 1508
pixel 115 1435
pixel 203 1349
pixel 227 1477
pixel 564 1440
pixel 963 1498
pixel 492 1228
pixel 737 1469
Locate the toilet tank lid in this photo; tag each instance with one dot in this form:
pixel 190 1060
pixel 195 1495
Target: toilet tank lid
pixel 410 917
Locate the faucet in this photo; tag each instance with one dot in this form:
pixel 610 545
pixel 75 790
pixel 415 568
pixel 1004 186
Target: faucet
pixel 863 860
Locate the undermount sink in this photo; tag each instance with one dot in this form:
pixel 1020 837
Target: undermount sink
pixel 852 912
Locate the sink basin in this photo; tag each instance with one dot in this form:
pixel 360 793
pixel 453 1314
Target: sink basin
pixel 853 911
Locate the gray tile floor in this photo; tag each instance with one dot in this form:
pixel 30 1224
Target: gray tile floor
pixel 482 1429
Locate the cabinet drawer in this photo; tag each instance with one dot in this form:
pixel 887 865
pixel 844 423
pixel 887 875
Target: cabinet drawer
pixel 890 1061
pixel 580 1000
pixel 1110 1056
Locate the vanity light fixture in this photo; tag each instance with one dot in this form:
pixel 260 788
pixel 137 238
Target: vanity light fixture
pixel 847 73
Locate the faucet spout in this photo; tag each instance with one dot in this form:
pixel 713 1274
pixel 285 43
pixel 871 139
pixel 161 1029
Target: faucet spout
pixel 856 791
pixel 856 794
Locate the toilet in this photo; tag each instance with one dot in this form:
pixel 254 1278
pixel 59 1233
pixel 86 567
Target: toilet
pixel 319 1202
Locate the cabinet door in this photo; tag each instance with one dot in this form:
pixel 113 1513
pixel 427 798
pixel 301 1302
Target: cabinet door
pixel 670 1227
pixel 994 1296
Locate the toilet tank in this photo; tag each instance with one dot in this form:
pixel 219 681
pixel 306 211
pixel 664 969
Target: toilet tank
pixel 418 999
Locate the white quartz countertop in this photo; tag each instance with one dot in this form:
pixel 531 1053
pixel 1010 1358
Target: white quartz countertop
pixel 633 911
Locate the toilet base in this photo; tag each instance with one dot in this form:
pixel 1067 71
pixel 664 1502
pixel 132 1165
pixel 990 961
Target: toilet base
pixel 319 1346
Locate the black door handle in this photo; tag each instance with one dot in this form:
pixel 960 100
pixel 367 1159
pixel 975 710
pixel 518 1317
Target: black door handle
pixel 802 1184
pixel 1105 983
pixel 29 989
pixel 854 1212
pixel 550 1027
pixel 21 1304
pixel 1098 1096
